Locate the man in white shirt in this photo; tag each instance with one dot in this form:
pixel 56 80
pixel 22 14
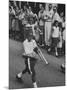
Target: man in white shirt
pixel 30 48
pixel 48 24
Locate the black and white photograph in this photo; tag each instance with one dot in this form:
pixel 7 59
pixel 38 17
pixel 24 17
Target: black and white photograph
pixel 37 39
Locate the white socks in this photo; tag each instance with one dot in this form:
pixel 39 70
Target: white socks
pixel 20 75
pixel 35 85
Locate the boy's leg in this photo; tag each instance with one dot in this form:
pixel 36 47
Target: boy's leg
pixel 30 63
pixel 33 74
pixel 19 75
pixel 26 68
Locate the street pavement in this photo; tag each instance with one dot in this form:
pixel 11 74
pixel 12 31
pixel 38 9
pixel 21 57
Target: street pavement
pixel 46 75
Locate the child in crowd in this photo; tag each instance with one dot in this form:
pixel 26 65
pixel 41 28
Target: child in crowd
pixel 55 37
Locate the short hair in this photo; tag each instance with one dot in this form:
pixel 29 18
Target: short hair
pixel 56 21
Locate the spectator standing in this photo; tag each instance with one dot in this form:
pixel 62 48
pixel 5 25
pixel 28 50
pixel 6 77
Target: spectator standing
pixel 55 37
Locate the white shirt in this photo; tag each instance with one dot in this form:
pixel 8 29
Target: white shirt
pixel 56 32
pixel 56 17
pixel 48 15
pixel 29 46
pixel 45 14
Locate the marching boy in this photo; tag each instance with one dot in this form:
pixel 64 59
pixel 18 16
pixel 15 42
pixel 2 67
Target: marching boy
pixel 30 55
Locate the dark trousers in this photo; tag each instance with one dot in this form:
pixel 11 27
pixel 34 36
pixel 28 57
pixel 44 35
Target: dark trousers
pixel 21 27
pixel 41 40
pixel 30 68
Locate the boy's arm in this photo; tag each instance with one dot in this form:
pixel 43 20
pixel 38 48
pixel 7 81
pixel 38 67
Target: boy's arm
pixel 36 48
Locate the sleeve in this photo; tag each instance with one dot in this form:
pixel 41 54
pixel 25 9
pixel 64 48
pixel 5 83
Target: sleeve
pixel 34 44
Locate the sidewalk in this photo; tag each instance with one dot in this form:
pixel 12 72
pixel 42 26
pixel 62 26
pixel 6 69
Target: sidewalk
pixel 47 75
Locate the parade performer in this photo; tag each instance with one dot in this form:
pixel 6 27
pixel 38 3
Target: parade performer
pixel 30 48
pixel 31 55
